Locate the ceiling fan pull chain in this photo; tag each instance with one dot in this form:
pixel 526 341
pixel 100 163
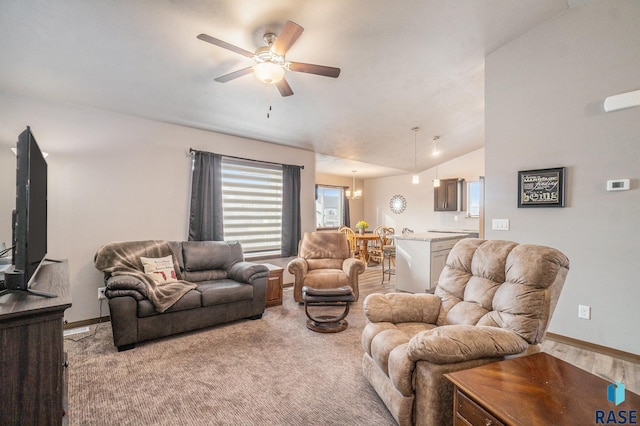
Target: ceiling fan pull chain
pixel 269 99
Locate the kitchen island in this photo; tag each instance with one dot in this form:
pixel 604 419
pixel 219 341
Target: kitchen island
pixel 420 259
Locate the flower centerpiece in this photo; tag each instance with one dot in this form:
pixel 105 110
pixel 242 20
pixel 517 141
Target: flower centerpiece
pixel 362 225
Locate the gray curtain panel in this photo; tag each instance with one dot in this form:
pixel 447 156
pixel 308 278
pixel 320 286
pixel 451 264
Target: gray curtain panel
pixel 291 226
pixel 205 218
pixel 345 211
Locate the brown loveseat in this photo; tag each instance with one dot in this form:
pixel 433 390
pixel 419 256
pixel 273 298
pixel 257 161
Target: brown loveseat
pixel 494 299
pixel 213 285
pixel 324 261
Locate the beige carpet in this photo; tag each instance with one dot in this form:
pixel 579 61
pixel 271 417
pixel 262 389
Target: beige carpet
pixel 272 371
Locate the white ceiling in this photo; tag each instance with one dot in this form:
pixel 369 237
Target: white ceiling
pixel 414 63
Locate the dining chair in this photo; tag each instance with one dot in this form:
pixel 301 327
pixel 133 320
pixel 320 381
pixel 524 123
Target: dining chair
pixel 388 251
pixel 351 237
pixel 375 246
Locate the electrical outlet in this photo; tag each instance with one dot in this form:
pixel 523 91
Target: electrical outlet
pixel 101 291
pixel 584 312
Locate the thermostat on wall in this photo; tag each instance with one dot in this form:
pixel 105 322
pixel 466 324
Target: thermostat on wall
pixel 618 185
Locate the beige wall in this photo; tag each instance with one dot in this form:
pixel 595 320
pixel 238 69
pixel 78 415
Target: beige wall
pixel 115 177
pixel 544 108
pixel 419 214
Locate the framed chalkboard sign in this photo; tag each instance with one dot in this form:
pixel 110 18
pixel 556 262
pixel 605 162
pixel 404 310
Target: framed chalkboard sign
pixel 541 188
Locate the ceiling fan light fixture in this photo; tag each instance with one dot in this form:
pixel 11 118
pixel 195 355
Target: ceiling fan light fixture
pixel 270 63
pixel 268 72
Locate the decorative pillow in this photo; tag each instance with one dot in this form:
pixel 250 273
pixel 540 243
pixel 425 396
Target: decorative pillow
pixel 159 269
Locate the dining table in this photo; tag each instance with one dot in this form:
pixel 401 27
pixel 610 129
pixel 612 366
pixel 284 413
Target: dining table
pixel 363 245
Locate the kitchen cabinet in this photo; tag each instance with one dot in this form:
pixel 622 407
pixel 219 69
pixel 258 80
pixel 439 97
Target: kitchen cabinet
pixel 446 197
pixel 420 258
pixel 439 253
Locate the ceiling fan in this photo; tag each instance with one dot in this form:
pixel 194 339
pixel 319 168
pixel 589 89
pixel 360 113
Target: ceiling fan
pixel 270 63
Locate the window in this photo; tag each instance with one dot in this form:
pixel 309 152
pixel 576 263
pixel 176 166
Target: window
pixel 252 205
pixel 329 206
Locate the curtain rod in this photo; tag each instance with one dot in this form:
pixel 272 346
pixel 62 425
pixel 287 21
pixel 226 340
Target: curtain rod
pixel 192 151
pixel 332 186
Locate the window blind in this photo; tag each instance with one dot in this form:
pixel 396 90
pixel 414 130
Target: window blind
pixel 252 205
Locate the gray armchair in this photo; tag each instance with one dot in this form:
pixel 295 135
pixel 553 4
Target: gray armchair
pixel 494 300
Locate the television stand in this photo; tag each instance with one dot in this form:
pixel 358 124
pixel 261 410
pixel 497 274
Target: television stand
pixel 28 291
pixel 32 355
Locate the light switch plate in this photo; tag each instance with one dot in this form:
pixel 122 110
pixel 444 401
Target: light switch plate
pixel 500 224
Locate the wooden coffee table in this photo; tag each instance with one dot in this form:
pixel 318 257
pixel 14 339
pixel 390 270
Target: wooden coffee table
pixel 534 390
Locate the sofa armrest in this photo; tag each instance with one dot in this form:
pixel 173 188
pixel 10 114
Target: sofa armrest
pixel 298 267
pixel 247 272
pixel 402 307
pixel 125 285
pixel 353 267
pixel 457 343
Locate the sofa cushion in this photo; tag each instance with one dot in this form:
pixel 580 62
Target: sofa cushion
pixel 459 343
pixel 324 245
pixel 326 263
pixel 224 291
pixel 160 269
pixel 383 333
pixel 206 255
pixel 176 247
pixel 198 276
pixel 326 278
pixel 500 284
pixel 191 300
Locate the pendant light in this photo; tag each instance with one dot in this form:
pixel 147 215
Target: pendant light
pixel 435 153
pixel 415 179
pixel 352 193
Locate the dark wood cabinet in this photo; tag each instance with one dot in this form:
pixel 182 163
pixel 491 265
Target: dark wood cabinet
pixel 445 197
pixel 32 351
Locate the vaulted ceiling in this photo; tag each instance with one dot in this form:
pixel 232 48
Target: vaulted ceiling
pixel 414 63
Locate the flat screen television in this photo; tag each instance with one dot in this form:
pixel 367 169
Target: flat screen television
pixel 29 218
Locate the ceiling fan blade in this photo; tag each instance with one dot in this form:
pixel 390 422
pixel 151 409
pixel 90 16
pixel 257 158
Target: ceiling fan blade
pixel 225 45
pixel 233 75
pixel 284 88
pixel 287 37
pixel 314 69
